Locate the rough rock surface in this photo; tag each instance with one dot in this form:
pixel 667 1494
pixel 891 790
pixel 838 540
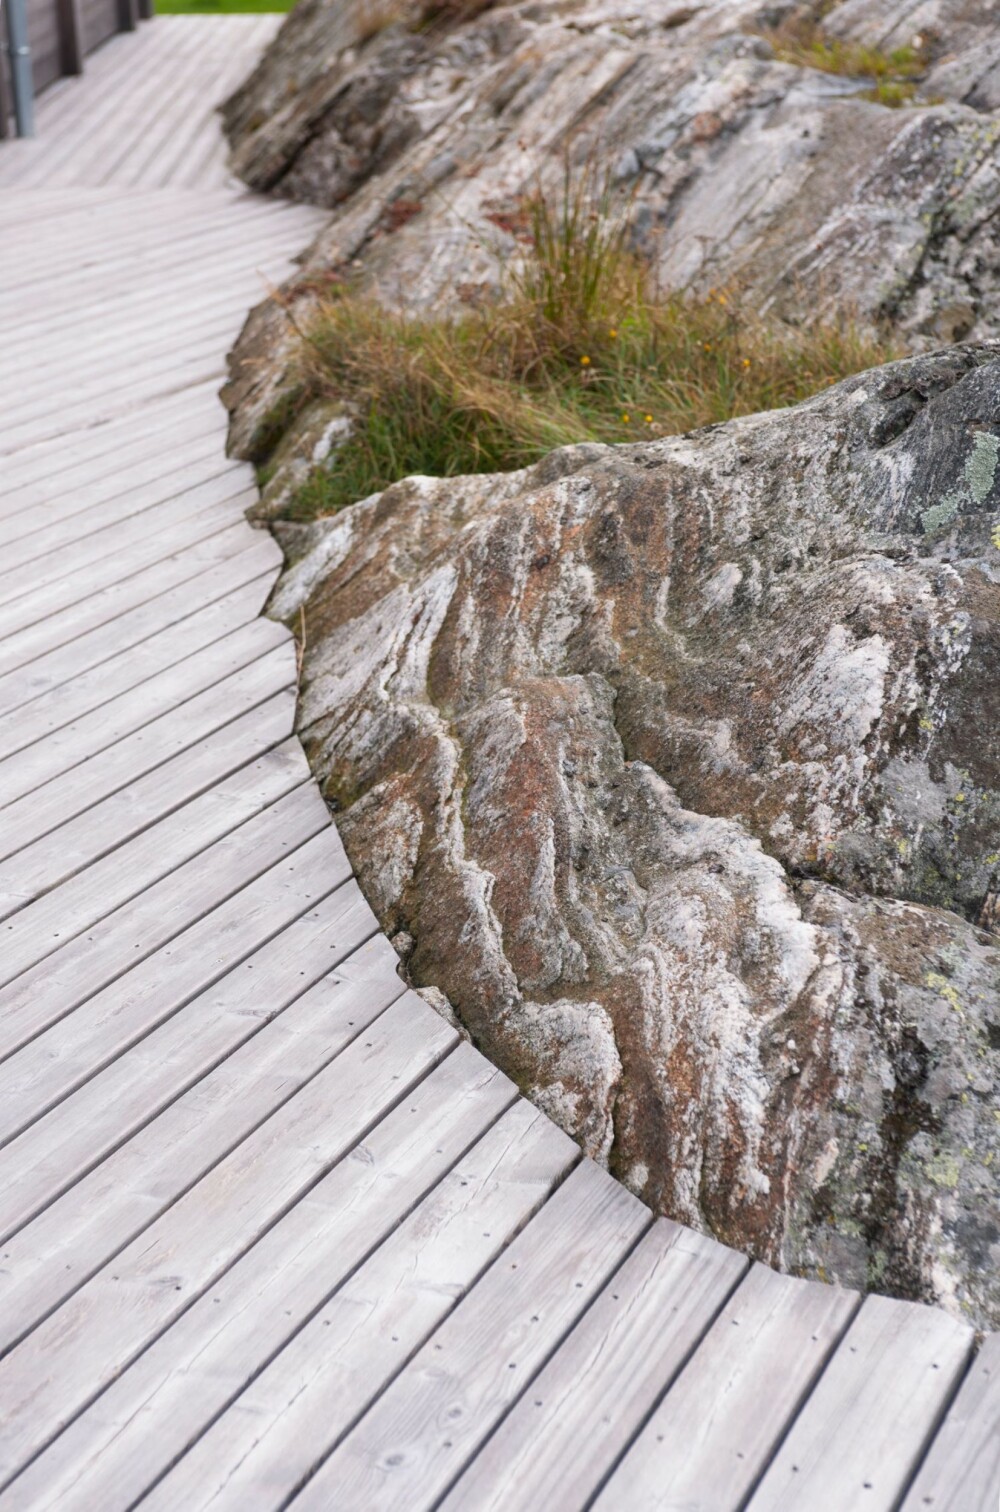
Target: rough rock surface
pixel 309 441
pixel 424 140
pixel 676 768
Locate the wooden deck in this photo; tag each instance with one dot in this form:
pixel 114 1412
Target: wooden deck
pixel 271 1234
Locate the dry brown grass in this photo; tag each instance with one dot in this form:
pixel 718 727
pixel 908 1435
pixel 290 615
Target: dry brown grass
pixel 580 349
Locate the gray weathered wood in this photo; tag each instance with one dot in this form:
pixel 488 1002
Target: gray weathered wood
pixel 108 604
pixel 63 600
pixel 584 1409
pixel 708 1442
pixel 111 1453
pixel 79 587
pixel 103 1027
pixel 70 972
pixel 152 744
pixel 59 1149
pixel 328 1373
pixel 80 461
pixel 105 1325
pixel 169 73
pixel 422 1431
pixel 71 1238
pixel 50 712
pixel 110 824
pixel 75 746
pixel 52 515
pixel 961 1472
pixel 160 853
pixel 252 568
pixel 864 1430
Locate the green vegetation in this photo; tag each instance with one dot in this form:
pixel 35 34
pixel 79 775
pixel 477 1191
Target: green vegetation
pixel 218 7
pixel 801 39
pixel 579 349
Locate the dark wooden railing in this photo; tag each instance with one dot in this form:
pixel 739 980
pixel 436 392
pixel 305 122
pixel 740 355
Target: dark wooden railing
pixel 58 35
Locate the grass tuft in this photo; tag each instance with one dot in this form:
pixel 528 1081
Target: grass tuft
pixel 801 40
pixel 579 349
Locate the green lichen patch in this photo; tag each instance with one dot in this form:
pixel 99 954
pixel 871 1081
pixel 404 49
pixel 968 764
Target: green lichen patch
pixel 975 486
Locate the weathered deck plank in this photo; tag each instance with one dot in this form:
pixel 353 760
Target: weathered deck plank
pixel 111 1021
pixel 156 741
pixel 72 969
pixel 865 1428
pixel 49 712
pixel 107 827
pixel 140 551
pixel 339 1363
pixel 94 137
pixel 100 1460
pixel 610 1374
pixel 422 1431
pixel 137 1183
pixel 962 1471
pixel 102 1327
pixel 33 509
pixel 711 1438
pixel 106 604
pixel 174 596
pixel 76 746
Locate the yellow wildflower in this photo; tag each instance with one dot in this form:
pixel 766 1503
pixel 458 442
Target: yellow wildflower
pixel 584 361
pixel 625 420
pixel 612 334
pixel 746 362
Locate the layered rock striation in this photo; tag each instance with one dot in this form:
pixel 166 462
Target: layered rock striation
pixel 424 125
pixel 676 768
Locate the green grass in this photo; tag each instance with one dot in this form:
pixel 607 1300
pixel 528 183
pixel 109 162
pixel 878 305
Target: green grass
pixel 219 7
pixel 891 76
pixel 579 349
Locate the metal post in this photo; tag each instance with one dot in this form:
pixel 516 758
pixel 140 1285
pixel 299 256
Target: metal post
pixel 5 100
pixel 20 67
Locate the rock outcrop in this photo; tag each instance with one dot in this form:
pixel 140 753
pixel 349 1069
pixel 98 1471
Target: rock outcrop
pixel 423 124
pixel 673 770
pixel 676 767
